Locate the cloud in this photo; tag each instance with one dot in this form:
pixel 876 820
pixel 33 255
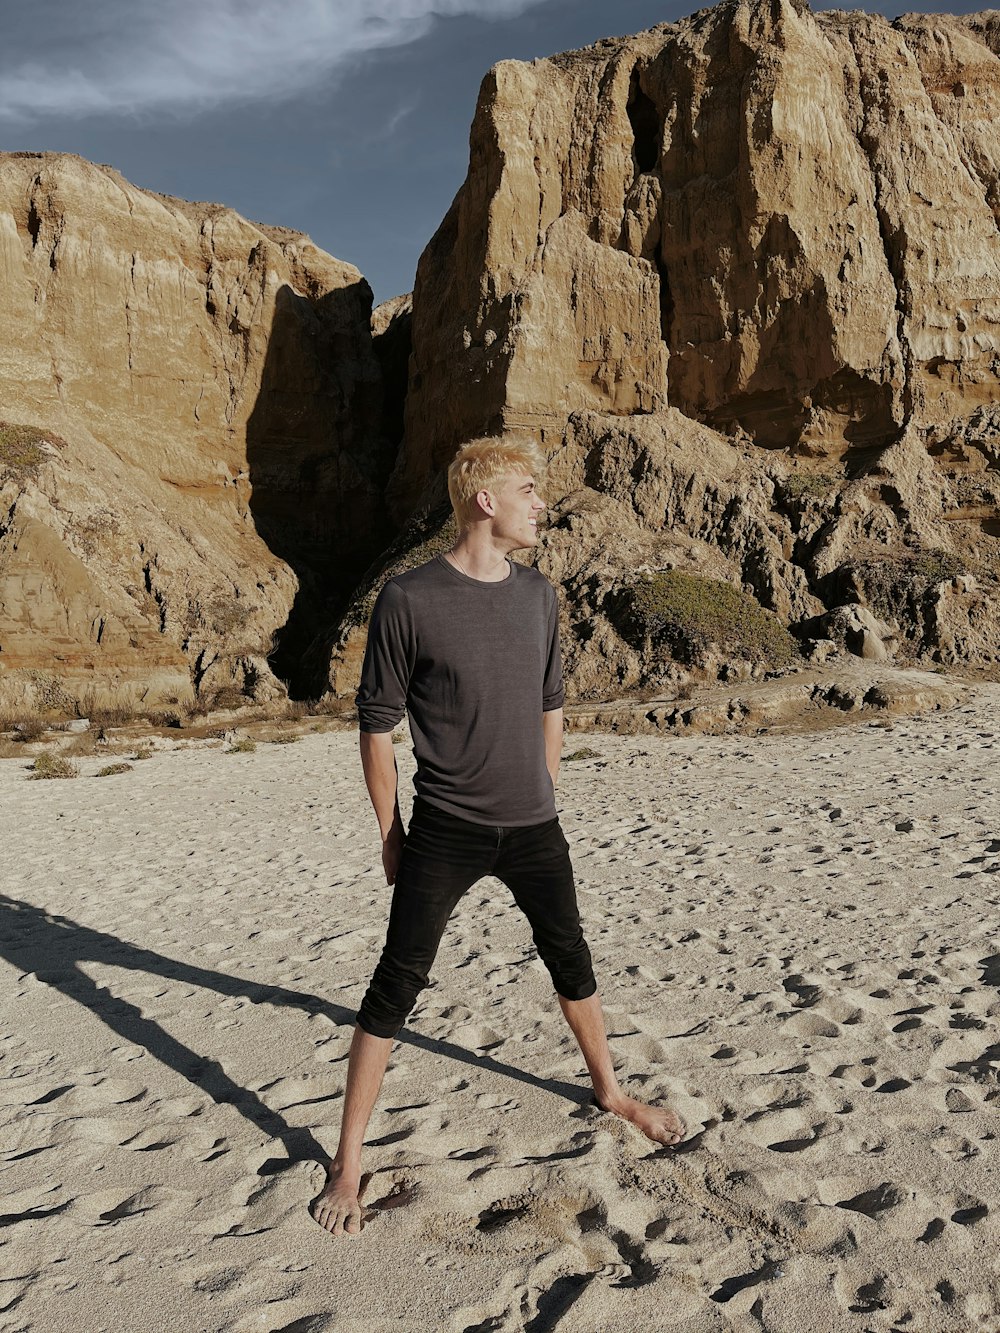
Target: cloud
pixel 119 57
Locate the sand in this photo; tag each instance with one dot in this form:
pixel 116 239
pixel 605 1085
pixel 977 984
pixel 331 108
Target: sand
pixel 795 940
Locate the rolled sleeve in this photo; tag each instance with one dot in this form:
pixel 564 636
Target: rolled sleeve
pixel 553 693
pixel 385 674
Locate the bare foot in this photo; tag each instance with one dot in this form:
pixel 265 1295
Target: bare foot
pixel 657 1123
pixel 338 1208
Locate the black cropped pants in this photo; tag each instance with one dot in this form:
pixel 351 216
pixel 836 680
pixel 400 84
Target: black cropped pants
pixel 443 856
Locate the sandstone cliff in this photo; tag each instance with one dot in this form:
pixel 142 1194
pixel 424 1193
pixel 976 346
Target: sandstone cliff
pixel 769 219
pixel 204 478
pixel 741 277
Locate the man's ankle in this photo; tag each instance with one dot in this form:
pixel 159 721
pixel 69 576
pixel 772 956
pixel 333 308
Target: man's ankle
pixel 345 1168
pixel 611 1099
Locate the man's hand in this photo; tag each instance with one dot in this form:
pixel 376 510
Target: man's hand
pixel 392 850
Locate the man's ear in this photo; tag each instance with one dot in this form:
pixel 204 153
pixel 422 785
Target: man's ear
pixel 485 501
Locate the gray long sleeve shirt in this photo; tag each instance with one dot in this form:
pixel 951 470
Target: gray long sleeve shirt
pixel 475 665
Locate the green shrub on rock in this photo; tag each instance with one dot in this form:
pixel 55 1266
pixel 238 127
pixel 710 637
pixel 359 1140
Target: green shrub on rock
pixel 690 615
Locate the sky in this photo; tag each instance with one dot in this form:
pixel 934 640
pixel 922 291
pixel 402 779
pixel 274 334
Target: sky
pixel 344 119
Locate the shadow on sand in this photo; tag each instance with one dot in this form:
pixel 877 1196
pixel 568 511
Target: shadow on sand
pixel 51 947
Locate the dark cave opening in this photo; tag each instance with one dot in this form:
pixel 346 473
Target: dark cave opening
pixel 645 122
pixel 34 223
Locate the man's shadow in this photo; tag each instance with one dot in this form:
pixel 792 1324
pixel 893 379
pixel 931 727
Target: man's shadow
pixel 52 947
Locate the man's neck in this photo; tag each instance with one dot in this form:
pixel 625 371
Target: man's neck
pixel 479 560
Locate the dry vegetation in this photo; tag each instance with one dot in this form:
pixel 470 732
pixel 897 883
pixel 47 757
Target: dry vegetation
pixel 120 725
pixel 84 744
pixel 801 487
pixel 53 766
pixel 421 540
pixel 225 699
pixel 116 714
pixel 23 449
pixel 23 729
pixel 890 583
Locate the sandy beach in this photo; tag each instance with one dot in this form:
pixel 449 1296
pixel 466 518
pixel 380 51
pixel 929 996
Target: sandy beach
pixel 795 938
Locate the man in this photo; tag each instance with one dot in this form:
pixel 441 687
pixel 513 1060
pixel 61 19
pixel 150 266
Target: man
pixel 468 646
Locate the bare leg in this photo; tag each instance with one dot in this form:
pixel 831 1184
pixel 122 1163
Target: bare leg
pixel 338 1208
pixel 586 1018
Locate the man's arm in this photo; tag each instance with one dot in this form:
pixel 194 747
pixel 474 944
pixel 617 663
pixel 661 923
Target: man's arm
pixel 378 760
pixel 552 729
pixel 381 701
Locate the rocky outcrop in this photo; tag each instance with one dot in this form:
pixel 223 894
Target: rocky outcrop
pixel 780 223
pixel 811 698
pixel 869 565
pixel 740 275
pixel 637 498
pixel 216 485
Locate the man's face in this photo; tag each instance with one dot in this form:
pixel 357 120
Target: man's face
pixel 516 507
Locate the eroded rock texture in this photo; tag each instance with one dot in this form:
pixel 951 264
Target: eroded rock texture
pixel 741 276
pixel 216 488
pixel 764 217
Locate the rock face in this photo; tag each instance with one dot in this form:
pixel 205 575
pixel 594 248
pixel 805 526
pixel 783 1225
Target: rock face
pixel 740 275
pixel 215 480
pixel 868 564
pixel 774 221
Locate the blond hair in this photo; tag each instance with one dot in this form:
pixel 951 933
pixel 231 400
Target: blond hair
pixel 480 464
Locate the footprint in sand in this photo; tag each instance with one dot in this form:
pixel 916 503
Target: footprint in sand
pixel 878 1295
pixel 112 1206
pixel 31 1204
pixel 969 1212
pixel 875 1202
pixel 287 1316
pixel 957 1102
pixel 806 1024
pixel 821 1130
pixel 217 1278
pixel 501 1214
pixel 152 1139
pixel 470 1154
pixel 489 1101
pixel 400 1193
